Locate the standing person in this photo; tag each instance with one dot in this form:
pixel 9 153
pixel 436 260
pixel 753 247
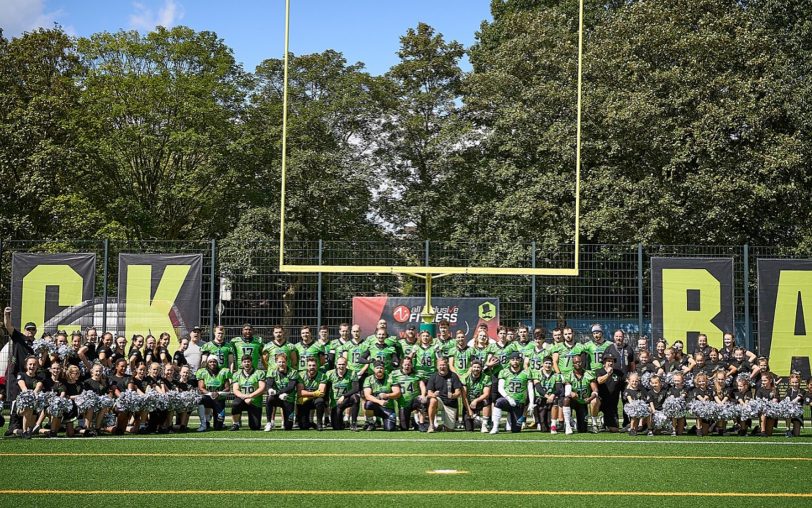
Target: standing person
pixel 21 348
pixel 656 398
pixel 224 351
pixel 409 342
pixel 278 345
pixel 353 351
pixel 308 348
pixel 380 393
pixel 281 383
pixel 632 393
pixel 565 353
pixel 164 357
pixel 701 393
pixel 580 393
pixel 443 341
pixel 134 355
pixel 461 355
pixel 179 358
pixel 678 390
pixel 610 387
pixel 596 348
pixel 498 356
pixel 323 342
pixel 426 355
pixel 248 386
pixel 516 394
pixel 88 352
pixel 623 352
pixel 105 350
pixel 380 350
pixel 443 391
pixel 344 394
pixel 119 349
pixel 476 394
pixel 412 394
pixel 193 353
pixel 312 388
pixel 248 344
pixel 213 382
pixel 535 354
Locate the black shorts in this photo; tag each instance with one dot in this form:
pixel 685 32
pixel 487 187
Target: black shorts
pixel 240 405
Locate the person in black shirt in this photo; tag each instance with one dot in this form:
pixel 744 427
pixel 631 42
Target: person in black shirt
pixel 610 386
pixel 104 352
pixel 98 385
pixel 179 358
pixel 655 397
pixel 72 390
pixel 630 394
pixel 742 396
pixel 150 350
pixel 88 352
pixel 703 394
pixel 767 391
pixel 795 394
pixel 678 390
pixel 135 356
pixel 21 349
pixel 54 384
pixel 721 395
pixel 120 349
pixel 163 356
pixel 443 390
pixel 137 383
pixel 28 381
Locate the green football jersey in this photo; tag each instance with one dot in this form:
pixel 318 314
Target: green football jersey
pixel 354 352
pixel 221 351
pixel 480 354
pixel 339 385
pixel 252 348
pixel 596 353
pixel 277 380
pixel 475 387
pixel 311 383
pixel 305 351
pixel 425 360
pixel 213 382
pixel 566 354
pixel 409 386
pixel 501 353
pixel 549 382
pixel 461 359
pixel 380 386
pixel 407 348
pixel 386 353
pixel 581 386
pixel 445 347
pixel 536 357
pixel 273 349
pixel 249 383
pixel 516 384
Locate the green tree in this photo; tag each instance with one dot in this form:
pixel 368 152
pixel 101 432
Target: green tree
pixel 162 112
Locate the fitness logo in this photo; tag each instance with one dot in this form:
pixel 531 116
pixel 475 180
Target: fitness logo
pixel 401 313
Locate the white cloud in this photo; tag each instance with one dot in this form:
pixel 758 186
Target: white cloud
pixel 18 16
pixel 144 18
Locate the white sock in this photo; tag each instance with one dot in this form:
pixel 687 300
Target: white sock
pixel 201 412
pixel 496 415
pixel 595 422
pixel 567 417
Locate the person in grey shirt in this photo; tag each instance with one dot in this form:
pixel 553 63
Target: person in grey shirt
pixel 193 353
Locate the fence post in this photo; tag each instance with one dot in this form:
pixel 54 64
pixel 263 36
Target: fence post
pixel 426 254
pixel 104 287
pixel 7 303
pixel 747 337
pixel 211 286
pixel 640 289
pixel 318 299
pixel 533 288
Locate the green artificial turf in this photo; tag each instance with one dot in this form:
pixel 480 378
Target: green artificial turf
pixel 335 462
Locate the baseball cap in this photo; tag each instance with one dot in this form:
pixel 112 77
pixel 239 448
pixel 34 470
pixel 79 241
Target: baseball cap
pixel 30 326
pixel 411 327
pixel 196 328
pixel 597 328
pixel 515 354
pixel 609 357
pixel 378 363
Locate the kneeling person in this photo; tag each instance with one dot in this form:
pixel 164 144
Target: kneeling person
pixel 248 385
pixel 444 391
pixel 412 394
pixel 477 392
pixel 344 393
pixel 516 394
pixel 311 388
pixel 380 393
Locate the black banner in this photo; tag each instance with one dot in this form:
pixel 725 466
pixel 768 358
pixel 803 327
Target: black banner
pixel 159 293
pixel 55 291
pixel 785 314
pixel 690 296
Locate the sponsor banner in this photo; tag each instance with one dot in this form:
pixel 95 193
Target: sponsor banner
pixel 399 312
pixel 785 314
pixel 52 290
pixel 690 296
pixel 159 293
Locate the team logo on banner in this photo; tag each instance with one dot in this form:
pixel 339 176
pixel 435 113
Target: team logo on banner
pixel 399 312
pixel 690 296
pixel 55 291
pixel 159 293
pixel 785 314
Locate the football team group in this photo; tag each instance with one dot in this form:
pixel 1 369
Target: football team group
pixel 87 384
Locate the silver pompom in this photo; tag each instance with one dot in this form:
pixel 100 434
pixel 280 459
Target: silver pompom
pixel 637 409
pixel 675 407
pixel 87 400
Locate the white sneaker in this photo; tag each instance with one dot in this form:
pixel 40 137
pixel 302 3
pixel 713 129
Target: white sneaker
pixel 484 429
pixel 495 429
pixel 269 426
pixel 202 428
pixel 553 430
pixel 568 431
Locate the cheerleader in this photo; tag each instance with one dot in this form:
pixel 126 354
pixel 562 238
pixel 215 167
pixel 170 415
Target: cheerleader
pixel 72 390
pixel 702 394
pixel 134 356
pixel 154 382
pixel 120 349
pixel 808 396
pixel 795 394
pixel 655 397
pixel 739 364
pixel 670 364
pixel 117 384
pixel 183 384
pixel 53 384
pixel 721 395
pixel 28 381
pixel 105 351
pixel 137 384
pixel 163 349
pixel 150 350
pixel 742 397
pixel 767 391
pixel 98 385
pixel 679 391
pixel 659 353
pixel 632 393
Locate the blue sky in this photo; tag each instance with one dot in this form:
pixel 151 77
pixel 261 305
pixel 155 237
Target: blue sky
pixel 364 30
